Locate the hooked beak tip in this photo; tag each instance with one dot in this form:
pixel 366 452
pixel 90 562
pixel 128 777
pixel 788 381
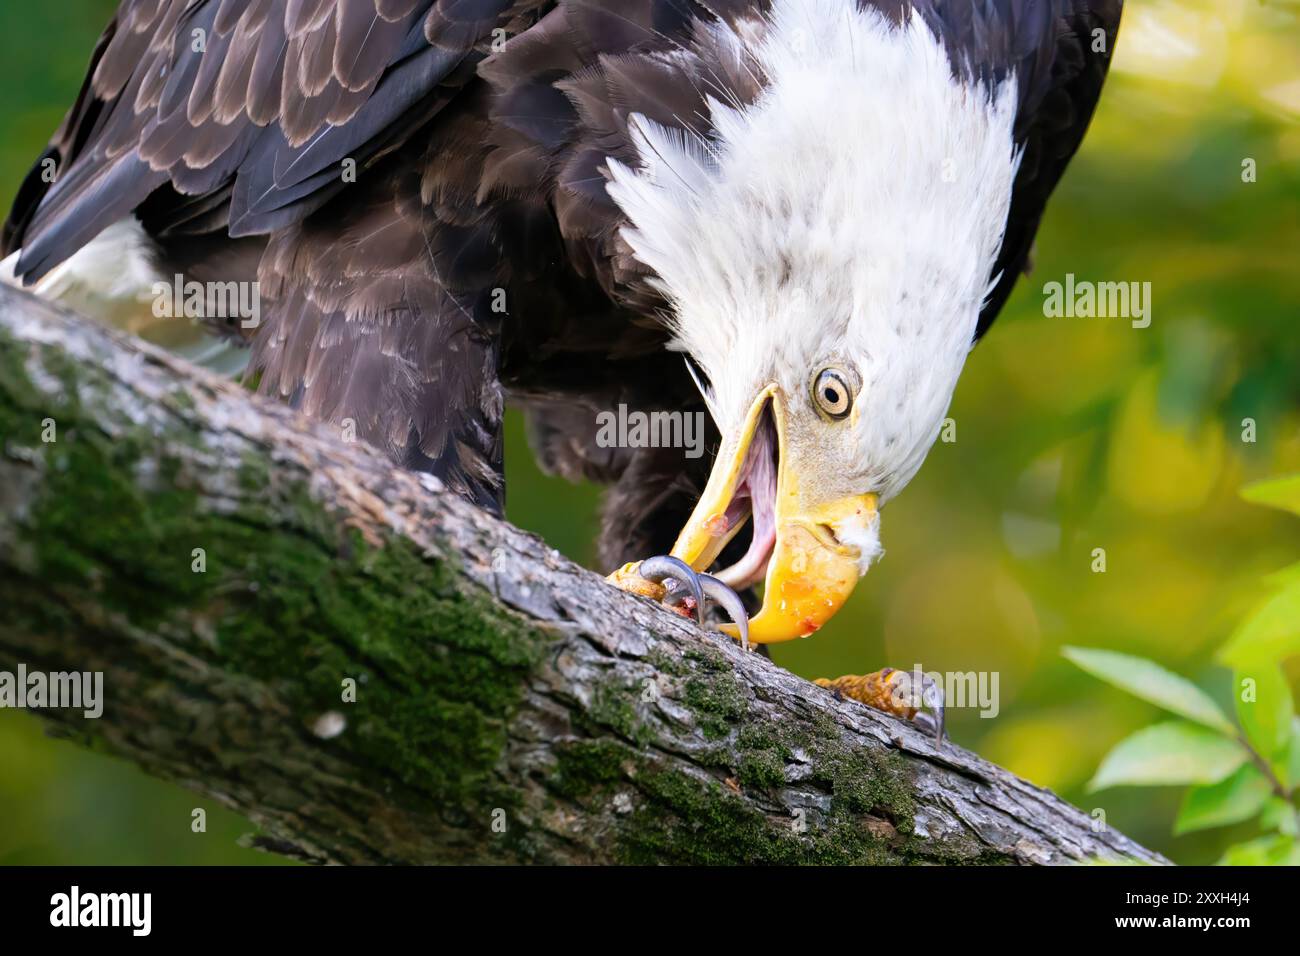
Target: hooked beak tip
pixel 811 556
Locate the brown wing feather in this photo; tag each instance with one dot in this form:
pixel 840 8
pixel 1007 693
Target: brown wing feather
pixel 256 101
pixel 378 313
pixel 377 293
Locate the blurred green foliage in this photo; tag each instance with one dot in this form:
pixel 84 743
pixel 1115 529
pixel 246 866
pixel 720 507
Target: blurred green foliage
pixel 1237 773
pixel 1072 435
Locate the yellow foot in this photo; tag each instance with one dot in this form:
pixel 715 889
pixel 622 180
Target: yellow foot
pixel 901 693
pixel 627 579
pixel 683 589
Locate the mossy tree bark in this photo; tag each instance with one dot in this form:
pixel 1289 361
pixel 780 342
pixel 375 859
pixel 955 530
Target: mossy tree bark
pixel 233 570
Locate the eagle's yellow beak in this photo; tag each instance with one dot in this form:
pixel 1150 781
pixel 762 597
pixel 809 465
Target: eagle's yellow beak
pixel 810 574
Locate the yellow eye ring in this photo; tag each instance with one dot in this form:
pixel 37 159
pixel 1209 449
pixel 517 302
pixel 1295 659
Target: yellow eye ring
pixel 832 394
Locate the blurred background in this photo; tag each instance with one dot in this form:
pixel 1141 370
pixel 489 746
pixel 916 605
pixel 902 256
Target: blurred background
pixel 1072 434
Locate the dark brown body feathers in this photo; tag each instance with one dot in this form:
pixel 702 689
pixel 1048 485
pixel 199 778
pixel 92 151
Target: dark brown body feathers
pixel 475 253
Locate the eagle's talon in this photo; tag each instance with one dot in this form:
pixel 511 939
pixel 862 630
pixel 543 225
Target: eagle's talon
pixel 664 567
pixel 729 601
pixel 930 724
pixel 932 697
pixel 893 691
pixel 724 597
pixel 682 589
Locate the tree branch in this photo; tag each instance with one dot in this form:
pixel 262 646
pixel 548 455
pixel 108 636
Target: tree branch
pixel 230 568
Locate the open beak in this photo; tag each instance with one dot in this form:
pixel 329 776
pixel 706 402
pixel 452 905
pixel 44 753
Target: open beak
pixel 809 573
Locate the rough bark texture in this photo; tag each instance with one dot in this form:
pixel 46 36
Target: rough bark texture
pixel 509 707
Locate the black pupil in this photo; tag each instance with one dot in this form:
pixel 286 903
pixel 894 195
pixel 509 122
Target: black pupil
pixel 832 396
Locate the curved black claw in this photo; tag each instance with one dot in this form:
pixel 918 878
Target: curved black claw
pixel 665 567
pixel 931 696
pixel 720 594
pixel 729 601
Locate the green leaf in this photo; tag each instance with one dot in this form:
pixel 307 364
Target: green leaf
pixel 1266 851
pixel 1170 753
pixel 1281 493
pixel 1237 798
pixel 1266 717
pixel 1280 815
pixel 1151 682
pixel 1290 771
pixel 1283 578
pixel 1269 633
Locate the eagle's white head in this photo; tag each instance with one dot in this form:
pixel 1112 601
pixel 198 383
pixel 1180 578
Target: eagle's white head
pixel 826 253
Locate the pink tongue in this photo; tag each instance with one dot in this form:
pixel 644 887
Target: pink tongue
pixel 756 489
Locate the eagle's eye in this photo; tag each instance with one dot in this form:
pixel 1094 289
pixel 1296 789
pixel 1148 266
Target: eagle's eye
pixel 832 393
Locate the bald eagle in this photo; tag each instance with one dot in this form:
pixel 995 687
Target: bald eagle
pixel 797 216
